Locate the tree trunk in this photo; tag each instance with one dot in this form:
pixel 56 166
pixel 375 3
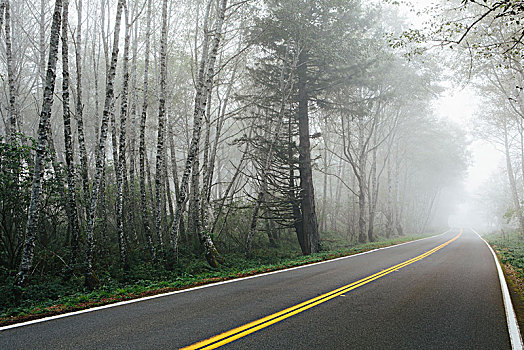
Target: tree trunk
pixel 174 168
pixel 38 170
pixel 121 167
pixel 79 105
pixel 389 202
pixel 13 114
pixel 142 146
pixel 201 101
pixel 194 225
pixel 323 216
pixel 100 155
pixel 206 171
pixel 41 43
pixel 512 181
pixel 398 204
pixel 309 216
pixel 295 207
pixel 521 134
pixel 203 89
pixel 270 228
pixel 68 141
pixel 373 191
pixel 204 235
pixel 159 168
pixel 362 238
pixel 132 142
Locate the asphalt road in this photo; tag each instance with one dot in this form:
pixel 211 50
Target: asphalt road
pixel 450 299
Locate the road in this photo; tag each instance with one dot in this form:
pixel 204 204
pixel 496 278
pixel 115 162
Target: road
pixel 449 298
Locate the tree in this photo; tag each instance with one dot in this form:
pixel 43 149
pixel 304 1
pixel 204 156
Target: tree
pixel 160 158
pixel 308 29
pixel 5 8
pixel 142 137
pixel 203 89
pixel 79 105
pixel 68 142
pixel 38 169
pixel 90 281
pixel 475 29
pixel 120 163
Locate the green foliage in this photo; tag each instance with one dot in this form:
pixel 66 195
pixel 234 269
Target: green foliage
pixel 16 157
pixel 48 295
pixel 510 247
pixel 15 193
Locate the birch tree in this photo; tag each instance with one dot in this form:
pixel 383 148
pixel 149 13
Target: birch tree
pixel 121 167
pixel 159 178
pixel 142 146
pixel 68 139
pixel 5 9
pixel 90 281
pixel 39 160
pixel 205 78
pixel 79 105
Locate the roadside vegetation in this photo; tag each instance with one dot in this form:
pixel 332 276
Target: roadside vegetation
pixel 509 247
pixel 46 297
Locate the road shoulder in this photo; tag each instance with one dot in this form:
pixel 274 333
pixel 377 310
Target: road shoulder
pixel 509 301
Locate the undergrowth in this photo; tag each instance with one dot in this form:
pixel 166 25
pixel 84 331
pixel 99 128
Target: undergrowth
pixel 510 250
pixel 53 295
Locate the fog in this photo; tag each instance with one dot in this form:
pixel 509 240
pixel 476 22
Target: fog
pixel 203 128
pixel 461 102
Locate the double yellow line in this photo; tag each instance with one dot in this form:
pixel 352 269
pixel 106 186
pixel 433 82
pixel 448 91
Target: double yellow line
pixel 242 331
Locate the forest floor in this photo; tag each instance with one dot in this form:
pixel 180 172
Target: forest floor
pixel 50 298
pixel 510 251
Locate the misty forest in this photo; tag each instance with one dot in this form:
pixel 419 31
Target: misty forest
pixel 152 144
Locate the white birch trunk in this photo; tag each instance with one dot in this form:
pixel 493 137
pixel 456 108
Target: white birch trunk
pixel 121 164
pixel 80 106
pixel 142 145
pixel 90 281
pixel 68 139
pixel 195 140
pixel 38 172
pixel 13 115
pixel 202 93
pixel 159 180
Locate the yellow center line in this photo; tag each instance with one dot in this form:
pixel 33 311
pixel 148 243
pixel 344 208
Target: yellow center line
pixel 242 331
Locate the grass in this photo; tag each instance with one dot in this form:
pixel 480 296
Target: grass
pixel 49 298
pixel 510 251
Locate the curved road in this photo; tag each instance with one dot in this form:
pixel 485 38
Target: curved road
pixel 449 298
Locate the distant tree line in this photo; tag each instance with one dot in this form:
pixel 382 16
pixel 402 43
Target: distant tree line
pixel 488 41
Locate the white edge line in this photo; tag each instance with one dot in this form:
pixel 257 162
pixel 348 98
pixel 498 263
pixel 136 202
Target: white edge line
pixel 120 303
pixel 511 317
